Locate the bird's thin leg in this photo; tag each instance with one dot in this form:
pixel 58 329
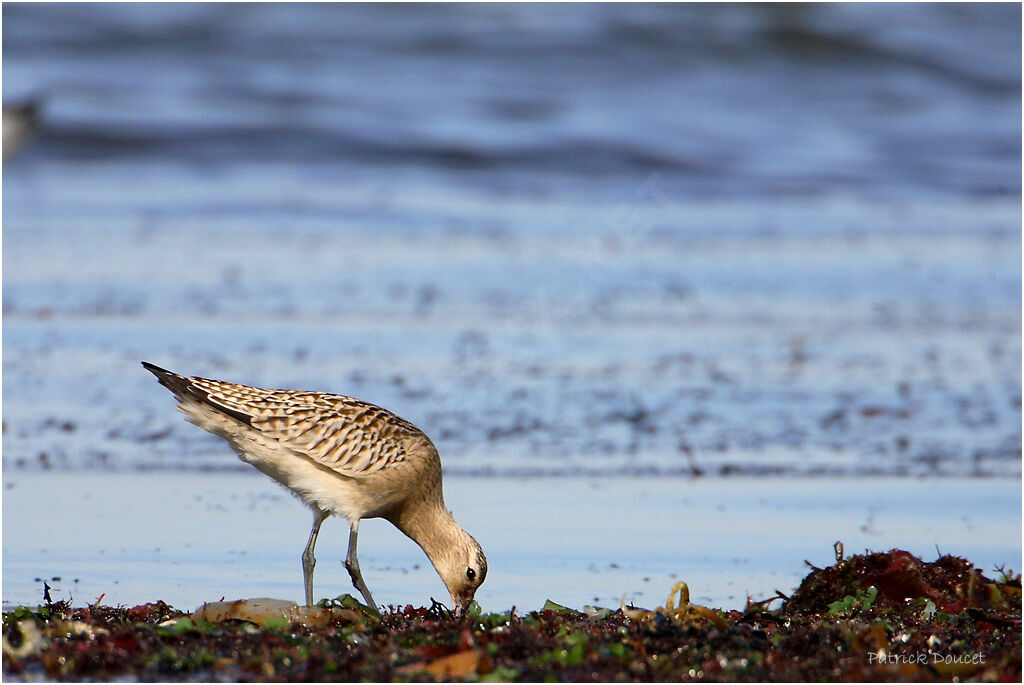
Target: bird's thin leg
pixel 352 564
pixel 308 561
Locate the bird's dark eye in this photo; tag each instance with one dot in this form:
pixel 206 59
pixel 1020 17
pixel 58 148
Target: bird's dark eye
pixel 470 573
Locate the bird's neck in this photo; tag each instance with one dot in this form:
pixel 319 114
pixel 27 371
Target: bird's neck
pixel 431 526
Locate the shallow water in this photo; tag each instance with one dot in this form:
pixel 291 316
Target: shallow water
pixel 897 352
pixel 190 538
pixel 595 244
pixel 561 240
pixel 577 239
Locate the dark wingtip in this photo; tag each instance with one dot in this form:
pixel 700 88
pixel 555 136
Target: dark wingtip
pixel 154 368
pixel 161 373
pixel 174 382
pixel 182 388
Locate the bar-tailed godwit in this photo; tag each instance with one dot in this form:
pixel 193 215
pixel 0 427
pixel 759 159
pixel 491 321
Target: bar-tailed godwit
pixel 339 456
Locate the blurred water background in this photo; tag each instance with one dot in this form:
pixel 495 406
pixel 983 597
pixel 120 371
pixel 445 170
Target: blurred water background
pixel 774 242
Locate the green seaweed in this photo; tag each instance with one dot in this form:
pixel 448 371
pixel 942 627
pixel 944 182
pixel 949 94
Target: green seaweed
pixel 862 600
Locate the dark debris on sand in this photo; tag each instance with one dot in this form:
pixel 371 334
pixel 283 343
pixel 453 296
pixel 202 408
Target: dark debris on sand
pixel 881 616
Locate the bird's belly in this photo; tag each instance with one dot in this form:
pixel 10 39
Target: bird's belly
pixel 311 483
pixel 318 485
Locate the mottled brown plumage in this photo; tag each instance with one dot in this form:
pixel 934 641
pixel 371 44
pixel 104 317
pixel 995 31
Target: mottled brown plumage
pixel 342 433
pixel 340 456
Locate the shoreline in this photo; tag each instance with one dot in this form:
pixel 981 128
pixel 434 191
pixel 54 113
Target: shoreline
pixel 132 535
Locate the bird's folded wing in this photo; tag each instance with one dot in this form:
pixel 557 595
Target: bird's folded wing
pixel 347 435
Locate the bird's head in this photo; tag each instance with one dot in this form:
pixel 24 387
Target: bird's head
pixel 463 570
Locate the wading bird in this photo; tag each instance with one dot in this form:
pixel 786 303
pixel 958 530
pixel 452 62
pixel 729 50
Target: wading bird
pixel 343 457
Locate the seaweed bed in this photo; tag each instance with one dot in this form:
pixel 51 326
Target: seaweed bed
pixel 877 616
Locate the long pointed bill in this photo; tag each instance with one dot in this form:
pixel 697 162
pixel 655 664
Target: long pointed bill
pixel 459 607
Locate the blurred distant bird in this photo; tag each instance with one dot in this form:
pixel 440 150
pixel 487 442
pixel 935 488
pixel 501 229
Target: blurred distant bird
pixel 340 456
pixel 20 123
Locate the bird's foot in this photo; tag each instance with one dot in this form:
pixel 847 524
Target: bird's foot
pixel 357 581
